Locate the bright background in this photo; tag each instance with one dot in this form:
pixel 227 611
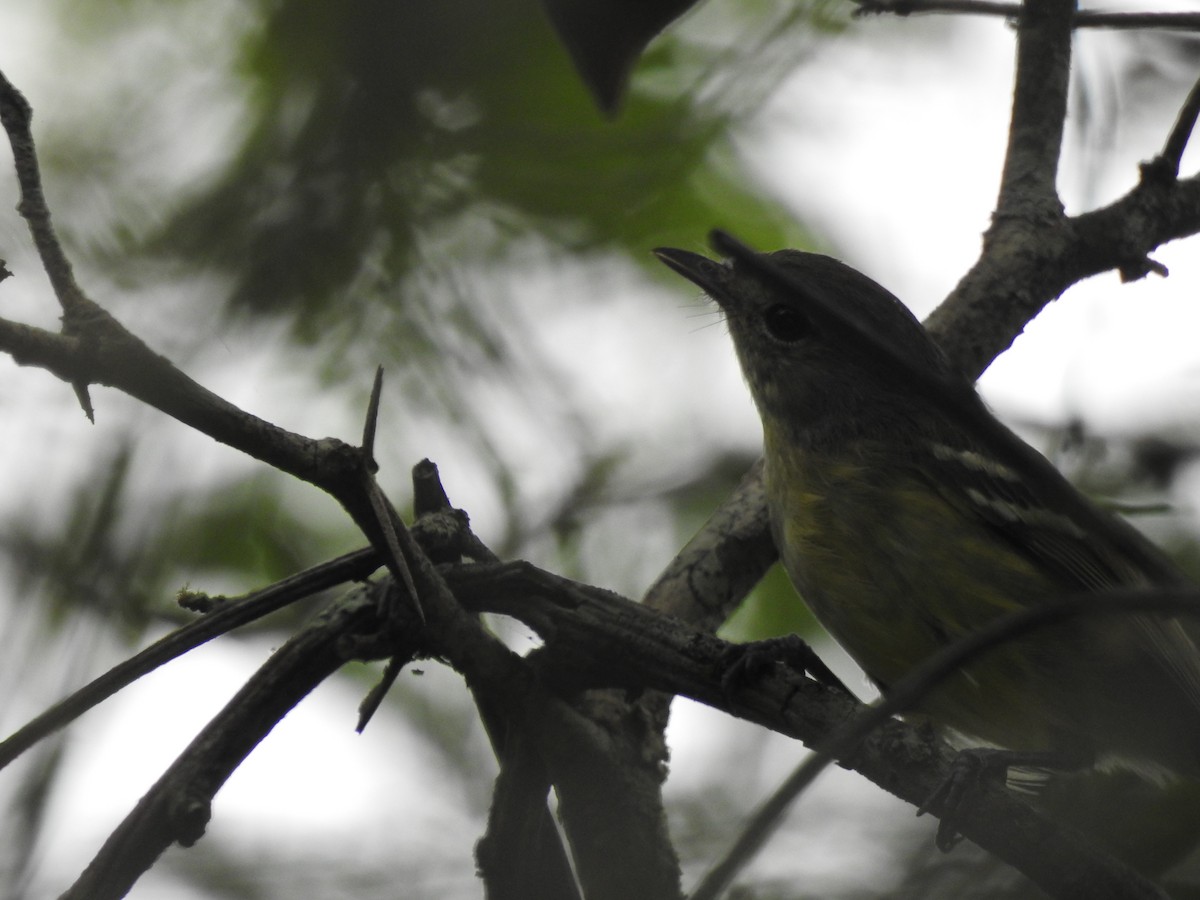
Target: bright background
pixel 280 198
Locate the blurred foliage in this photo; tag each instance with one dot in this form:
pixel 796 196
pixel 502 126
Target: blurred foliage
pixel 605 40
pixel 394 148
pixel 82 566
pixel 772 609
pixel 396 172
pixel 245 527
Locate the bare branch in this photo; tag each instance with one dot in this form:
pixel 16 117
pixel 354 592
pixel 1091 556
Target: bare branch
pixel 611 805
pixel 1166 164
pixel 1027 182
pixel 1010 283
pixel 587 628
pixel 1184 21
pixel 31 346
pixel 371 421
pixel 1083 19
pixel 177 808
pixel 921 7
pixel 224 618
pixel 16 116
pixel 709 577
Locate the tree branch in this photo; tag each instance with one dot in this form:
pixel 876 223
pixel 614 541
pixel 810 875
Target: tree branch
pixel 1027 182
pixel 16 115
pixel 1185 21
pixel 713 573
pixel 1166 165
pixel 179 805
pixel 587 629
pixel 224 618
pixel 610 808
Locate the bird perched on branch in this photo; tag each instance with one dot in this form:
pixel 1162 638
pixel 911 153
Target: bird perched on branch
pixel 907 516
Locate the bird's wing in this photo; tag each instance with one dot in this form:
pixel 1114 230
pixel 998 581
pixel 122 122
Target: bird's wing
pixel 1068 544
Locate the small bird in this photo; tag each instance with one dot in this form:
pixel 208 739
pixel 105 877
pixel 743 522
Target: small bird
pixel 907 516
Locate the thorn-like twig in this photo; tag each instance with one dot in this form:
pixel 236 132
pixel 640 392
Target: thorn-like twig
pixel 371 703
pixel 1139 269
pixel 1165 166
pixel 384 518
pixel 16 115
pixel 83 395
pixel 177 808
pixel 372 419
pixel 381 509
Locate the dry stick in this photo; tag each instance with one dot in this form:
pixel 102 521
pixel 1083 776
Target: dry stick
pixel 15 115
pixel 720 565
pixel 1022 266
pixel 228 616
pixel 179 805
pixel 384 516
pixel 1083 19
pixel 96 348
pixel 1181 133
pixel 219 619
pixel 521 854
pixel 1026 264
pixel 1028 187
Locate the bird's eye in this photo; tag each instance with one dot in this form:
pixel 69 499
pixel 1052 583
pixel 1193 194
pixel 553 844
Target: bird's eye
pixel 785 324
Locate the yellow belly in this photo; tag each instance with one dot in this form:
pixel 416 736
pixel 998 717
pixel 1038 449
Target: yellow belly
pixel 895 574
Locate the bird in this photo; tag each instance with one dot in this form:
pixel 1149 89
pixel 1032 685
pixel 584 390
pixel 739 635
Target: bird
pixel 907 516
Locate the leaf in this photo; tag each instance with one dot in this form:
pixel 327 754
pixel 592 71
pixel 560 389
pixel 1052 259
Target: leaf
pixel 606 39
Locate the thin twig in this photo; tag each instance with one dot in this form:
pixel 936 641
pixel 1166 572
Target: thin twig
pixel 385 518
pixel 429 496
pixel 1130 20
pixel 178 806
pixel 1167 162
pixel 1082 19
pixel 371 421
pixel 16 115
pixel 371 703
pixel 229 615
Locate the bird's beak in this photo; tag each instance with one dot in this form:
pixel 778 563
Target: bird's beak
pixel 707 274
